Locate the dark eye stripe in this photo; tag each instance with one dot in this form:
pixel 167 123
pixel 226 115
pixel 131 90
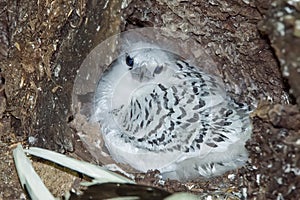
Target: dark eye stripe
pixel 129 61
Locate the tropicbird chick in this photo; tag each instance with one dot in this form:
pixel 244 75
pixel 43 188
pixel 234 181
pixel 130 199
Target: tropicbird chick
pixel 159 112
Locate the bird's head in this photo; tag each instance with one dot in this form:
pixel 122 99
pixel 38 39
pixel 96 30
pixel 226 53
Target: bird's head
pixel 146 64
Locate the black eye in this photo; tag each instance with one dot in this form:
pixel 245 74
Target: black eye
pixel 129 61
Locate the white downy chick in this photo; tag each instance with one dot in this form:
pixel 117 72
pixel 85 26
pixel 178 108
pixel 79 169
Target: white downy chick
pixel 159 112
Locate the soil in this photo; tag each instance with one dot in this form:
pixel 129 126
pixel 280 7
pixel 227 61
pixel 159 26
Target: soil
pixel 253 43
